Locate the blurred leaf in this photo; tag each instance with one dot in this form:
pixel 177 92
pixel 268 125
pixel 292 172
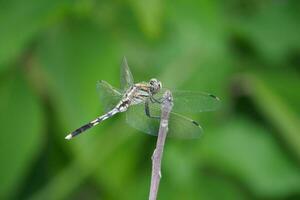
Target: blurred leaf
pixel 280 114
pixel 20 21
pixel 75 55
pixel 202 59
pixel 200 187
pixel 273 29
pixel 282 83
pixel 120 168
pixel 21 132
pixel 63 184
pixel 184 179
pixel 149 14
pixel 250 154
pixel 69 180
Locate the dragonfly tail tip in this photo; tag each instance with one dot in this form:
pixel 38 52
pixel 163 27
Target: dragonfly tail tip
pixel 68 137
pixel 215 97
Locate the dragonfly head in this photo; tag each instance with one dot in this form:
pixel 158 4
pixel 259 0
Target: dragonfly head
pixel 155 85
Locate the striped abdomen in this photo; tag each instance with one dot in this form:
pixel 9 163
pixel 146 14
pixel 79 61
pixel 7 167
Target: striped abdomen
pixel 92 123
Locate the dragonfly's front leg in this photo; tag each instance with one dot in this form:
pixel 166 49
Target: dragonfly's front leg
pixel 154 100
pixel 147 111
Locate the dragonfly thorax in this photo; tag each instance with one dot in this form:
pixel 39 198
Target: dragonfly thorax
pixel 155 85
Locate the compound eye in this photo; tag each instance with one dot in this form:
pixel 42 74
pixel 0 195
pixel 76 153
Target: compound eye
pixel 160 85
pixel 152 81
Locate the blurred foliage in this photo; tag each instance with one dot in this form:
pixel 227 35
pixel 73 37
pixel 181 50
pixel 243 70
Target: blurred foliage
pixel 53 52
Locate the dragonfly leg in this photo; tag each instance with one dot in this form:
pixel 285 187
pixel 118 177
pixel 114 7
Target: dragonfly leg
pixel 147 111
pixel 154 100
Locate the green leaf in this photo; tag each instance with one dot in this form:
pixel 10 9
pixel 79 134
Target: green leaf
pixel 149 15
pixel 74 56
pixel 273 29
pixel 275 107
pixel 21 21
pixel 119 168
pixel 249 153
pixel 21 132
pixel 72 177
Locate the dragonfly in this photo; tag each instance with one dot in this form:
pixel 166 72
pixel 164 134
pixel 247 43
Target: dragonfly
pixel 142 101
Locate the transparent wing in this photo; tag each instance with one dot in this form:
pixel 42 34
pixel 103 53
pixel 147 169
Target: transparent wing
pixel 183 127
pixel 179 126
pixel 109 96
pixel 136 117
pixel 126 78
pixel 192 102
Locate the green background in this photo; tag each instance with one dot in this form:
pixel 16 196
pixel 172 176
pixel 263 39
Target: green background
pixel 53 52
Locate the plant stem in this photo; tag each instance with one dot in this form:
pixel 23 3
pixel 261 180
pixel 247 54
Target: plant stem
pixel 166 108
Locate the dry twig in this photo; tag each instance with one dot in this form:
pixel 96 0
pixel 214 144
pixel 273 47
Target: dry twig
pixel 166 108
